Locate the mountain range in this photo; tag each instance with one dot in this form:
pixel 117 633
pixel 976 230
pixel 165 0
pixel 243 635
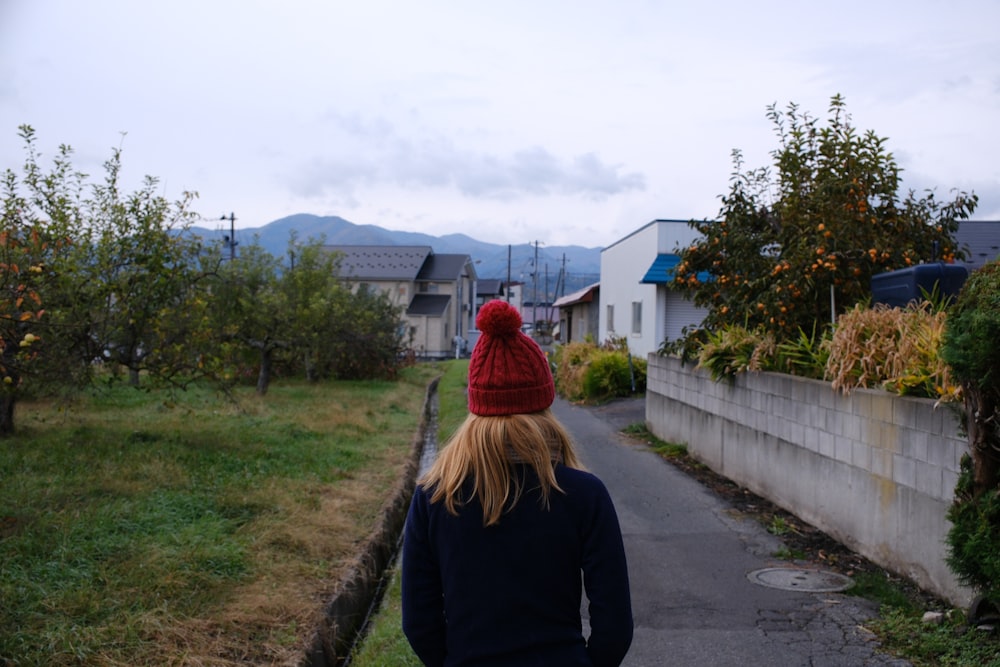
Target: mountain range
pixel 582 265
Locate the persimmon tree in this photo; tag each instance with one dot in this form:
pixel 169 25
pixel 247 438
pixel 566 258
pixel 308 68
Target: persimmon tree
pixel 797 243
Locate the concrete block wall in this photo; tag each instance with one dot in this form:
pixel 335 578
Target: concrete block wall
pixel 874 470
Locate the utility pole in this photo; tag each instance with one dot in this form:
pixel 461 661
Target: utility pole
pixel 508 274
pixel 534 282
pixel 548 301
pixel 562 276
pixel 230 240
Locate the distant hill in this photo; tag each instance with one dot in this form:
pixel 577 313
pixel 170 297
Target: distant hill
pixel 583 265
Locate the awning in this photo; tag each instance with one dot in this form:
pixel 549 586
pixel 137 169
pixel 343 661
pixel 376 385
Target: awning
pixel 661 271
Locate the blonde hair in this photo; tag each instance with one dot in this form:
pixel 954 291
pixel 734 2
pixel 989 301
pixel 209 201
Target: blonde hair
pixel 485 449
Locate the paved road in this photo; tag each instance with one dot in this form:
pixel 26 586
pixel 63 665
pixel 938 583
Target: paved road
pixel 688 565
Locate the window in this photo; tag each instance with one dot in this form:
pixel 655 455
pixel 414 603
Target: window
pixel 637 317
pixel 611 318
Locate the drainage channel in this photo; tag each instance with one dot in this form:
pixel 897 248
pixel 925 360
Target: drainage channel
pixel 427 455
pixel 802 580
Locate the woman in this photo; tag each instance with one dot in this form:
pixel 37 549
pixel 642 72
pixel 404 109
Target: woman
pixel 506 530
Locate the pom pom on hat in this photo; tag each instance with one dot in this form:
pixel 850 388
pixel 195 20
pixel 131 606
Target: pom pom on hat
pixel 508 372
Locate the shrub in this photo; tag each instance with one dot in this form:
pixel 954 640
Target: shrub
pixel 893 348
pixel 571 361
pixel 585 371
pixel 735 349
pixel 805 356
pixel 970 347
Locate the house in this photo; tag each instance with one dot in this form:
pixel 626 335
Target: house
pixel 435 292
pixel 579 314
pixel 980 239
pixel 639 306
pixel 636 302
pixel 487 289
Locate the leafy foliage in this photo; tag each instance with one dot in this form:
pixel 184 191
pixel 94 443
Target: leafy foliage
pixel 97 283
pixel 806 355
pixel 974 537
pixel 815 232
pixel 895 349
pixel 735 349
pixel 303 318
pixel 970 342
pixel 970 347
pixel 586 371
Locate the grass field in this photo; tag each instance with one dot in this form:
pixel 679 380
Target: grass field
pixel 147 528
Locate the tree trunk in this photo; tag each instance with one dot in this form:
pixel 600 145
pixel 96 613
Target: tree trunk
pixel 133 377
pixel 981 412
pixel 6 414
pixel 264 375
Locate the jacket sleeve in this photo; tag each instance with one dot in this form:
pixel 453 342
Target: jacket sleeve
pixel 423 598
pixel 605 579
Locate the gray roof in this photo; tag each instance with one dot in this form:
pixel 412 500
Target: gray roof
pixel 981 241
pixel 444 267
pixel 381 262
pixel 489 287
pixel 429 304
pixel 585 295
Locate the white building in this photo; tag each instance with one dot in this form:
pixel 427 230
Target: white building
pixel 636 303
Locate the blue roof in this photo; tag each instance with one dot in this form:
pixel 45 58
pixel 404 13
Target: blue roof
pixel 662 270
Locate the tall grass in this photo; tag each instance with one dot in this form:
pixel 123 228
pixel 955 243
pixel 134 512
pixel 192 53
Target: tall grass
pixel 143 528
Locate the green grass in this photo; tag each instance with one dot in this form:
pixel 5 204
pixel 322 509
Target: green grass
pixel 951 644
pixel 384 644
pixel 138 526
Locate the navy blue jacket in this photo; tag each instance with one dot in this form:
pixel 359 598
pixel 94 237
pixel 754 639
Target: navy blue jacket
pixel 510 594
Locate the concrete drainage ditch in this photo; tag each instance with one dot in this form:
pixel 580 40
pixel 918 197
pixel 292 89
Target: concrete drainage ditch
pixel 360 591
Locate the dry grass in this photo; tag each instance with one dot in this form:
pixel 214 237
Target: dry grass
pixel 891 348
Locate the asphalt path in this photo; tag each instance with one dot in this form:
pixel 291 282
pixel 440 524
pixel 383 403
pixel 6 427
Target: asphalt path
pixel 689 560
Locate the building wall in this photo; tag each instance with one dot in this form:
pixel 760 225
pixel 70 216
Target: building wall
pixel 873 470
pixel 399 291
pixel 677 313
pixel 623 266
pixel 579 320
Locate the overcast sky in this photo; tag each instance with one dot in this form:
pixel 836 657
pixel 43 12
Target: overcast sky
pixel 562 121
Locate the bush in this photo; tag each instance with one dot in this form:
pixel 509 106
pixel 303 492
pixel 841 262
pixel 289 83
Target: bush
pixel 974 538
pixel 897 349
pixel 970 347
pixel 891 348
pixel 735 349
pixel 585 371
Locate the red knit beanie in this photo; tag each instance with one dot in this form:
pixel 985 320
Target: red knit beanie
pixel 508 372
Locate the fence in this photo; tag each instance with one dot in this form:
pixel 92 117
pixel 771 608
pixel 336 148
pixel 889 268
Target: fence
pixel 873 470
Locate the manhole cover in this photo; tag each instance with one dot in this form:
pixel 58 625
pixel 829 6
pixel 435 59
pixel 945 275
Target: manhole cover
pixel 808 581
